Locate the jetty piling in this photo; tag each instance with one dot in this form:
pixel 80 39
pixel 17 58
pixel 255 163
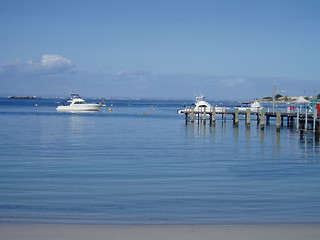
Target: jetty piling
pixel 262 119
pixel 278 122
pixel 213 115
pixel 192 114
pixel 301 120
pixel 248 119
pixel 236 117
pixel 315 115
pixel 306 121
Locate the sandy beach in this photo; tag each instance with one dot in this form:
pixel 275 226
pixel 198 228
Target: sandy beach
pixel 158 232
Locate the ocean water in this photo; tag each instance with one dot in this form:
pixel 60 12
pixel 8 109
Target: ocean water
pixel 127 167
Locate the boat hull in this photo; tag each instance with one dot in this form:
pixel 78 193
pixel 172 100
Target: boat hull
pixel 82 108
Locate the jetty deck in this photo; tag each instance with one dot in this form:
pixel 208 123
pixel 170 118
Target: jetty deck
pixel 302 120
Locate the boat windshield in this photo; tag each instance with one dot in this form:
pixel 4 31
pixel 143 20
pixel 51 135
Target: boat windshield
pixel 200 98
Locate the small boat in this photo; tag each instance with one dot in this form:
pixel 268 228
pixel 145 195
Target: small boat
pixel 201 105
pixel 77 104
pixel 254 107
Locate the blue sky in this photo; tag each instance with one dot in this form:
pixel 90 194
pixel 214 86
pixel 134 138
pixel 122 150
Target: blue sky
pixel 228 49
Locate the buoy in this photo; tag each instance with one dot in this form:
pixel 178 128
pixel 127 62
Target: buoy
pixel 110 109
pixel 36 105
pixel 144 113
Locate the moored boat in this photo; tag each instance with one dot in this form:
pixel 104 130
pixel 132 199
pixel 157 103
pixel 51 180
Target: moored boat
pixel 201 105
pixel 77 104
pixel 254 107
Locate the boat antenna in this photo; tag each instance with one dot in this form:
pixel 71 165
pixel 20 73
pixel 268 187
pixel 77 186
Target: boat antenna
pixel 198 93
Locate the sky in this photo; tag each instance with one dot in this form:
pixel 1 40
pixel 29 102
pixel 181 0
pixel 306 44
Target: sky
pixel 168 49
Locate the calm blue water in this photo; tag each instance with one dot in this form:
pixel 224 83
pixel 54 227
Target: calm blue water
pixel 123 166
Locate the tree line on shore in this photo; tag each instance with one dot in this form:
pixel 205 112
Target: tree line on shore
pixel 279 97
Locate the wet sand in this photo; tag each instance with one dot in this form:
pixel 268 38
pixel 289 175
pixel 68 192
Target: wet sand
pixel 158 232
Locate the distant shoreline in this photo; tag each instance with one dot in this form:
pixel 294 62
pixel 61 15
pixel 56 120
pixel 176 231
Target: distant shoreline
pixel 23 97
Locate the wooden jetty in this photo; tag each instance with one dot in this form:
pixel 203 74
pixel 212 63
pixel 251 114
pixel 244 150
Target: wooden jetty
pixel 301 120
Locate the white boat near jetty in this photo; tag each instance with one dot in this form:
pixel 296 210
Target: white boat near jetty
pixel 201 105
pixel 77 104
pixel 254 107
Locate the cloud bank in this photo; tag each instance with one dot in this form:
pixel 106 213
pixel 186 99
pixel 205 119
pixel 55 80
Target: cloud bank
pixel 49 64
pixel 51 76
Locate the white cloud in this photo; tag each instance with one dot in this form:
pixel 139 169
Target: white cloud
pixel 47 65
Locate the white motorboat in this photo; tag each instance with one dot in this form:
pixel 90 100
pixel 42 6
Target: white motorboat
pixel 254 107
pixel 77 104
pixel 201 105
